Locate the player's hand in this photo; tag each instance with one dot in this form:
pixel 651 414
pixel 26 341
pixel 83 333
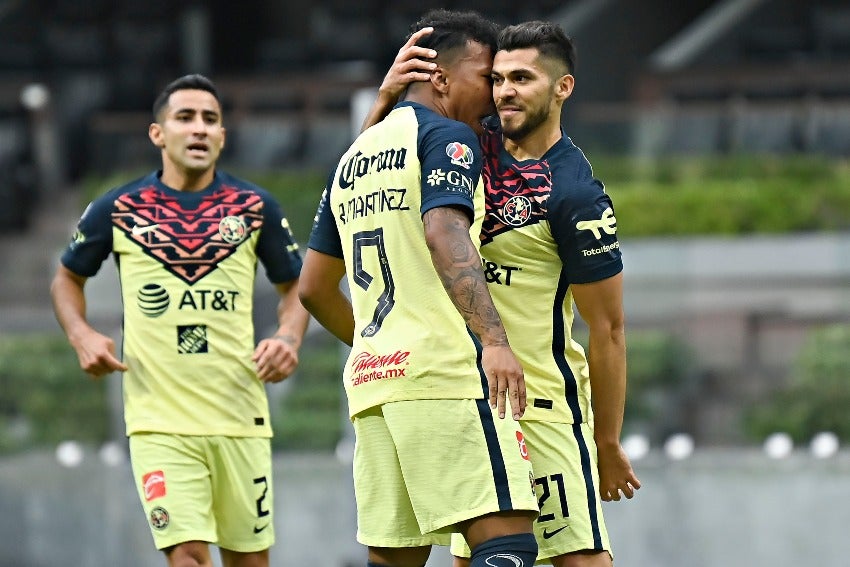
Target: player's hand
pixel 411 64
pixel 505 379
pixel 615 474
pixel 275 358
pixel 96 353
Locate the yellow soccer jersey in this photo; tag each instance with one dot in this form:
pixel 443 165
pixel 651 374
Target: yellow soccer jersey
pixel 549 224
pixel 187 265
pixel 410 342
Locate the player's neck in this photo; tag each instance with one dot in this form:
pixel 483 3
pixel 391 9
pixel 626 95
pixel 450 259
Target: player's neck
pixel 426 98
pixel 534 144
pixel 189 181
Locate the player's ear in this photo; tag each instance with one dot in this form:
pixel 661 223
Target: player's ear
pixel 564 87
pixel 440 79
pixel 155 135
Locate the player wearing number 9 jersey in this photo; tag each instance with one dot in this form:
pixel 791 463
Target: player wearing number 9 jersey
pixel 399 218
pixel 549 240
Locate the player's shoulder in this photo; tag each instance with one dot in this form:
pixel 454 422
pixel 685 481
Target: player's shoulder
pixel 435 125
pixel 572 172
pixel 106 201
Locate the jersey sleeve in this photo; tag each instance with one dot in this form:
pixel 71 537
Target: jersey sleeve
pixel 585 230
pixel 451 161
pixel 324 236
pixel 276 246
pixel 91 243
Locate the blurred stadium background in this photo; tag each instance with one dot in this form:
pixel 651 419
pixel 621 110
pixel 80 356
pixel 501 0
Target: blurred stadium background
pixel 721 129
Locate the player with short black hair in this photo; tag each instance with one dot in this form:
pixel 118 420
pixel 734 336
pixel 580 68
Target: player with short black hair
pixel 549 240
pixel 397 218
pixel 186 241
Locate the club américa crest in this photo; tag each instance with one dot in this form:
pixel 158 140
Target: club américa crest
pixel 517 210
pixel 232 229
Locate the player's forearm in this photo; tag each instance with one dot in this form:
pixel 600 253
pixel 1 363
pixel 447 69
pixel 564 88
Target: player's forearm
pixel 607 360
pixel 292 318
pixel 333 311
pixel 69 305
pixel 458 265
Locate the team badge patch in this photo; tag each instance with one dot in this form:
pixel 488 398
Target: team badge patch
pixel 232 229
pixel 517 211
pixel 159 518
pixel 460 154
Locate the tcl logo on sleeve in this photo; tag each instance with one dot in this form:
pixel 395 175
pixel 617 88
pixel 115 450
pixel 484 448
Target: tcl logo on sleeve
pixel 154 485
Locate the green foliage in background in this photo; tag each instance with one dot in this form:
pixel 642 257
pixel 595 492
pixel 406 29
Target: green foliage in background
pixel 44 396
pixel 727 195
pixel 659 365
pixel 817 396
pixel 310 416
pixel 684 196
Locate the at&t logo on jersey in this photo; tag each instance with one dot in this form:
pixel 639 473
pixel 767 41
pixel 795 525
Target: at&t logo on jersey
pixel 460 154
pixel 152 300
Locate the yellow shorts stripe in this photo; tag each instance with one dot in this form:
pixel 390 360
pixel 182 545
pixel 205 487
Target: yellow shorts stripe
pixel 566 481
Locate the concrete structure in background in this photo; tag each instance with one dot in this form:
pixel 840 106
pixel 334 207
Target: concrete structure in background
pixel 729 508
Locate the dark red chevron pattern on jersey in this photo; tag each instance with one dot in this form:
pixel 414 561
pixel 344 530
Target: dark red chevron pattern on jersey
pixel 517 195
pixel 189 243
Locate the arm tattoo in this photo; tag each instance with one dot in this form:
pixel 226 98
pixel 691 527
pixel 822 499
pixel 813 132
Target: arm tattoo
pixel 459 266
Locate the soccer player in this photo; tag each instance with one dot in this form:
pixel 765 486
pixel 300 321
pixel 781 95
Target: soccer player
pixel 428 348
pixel 186 241
pixel 549 240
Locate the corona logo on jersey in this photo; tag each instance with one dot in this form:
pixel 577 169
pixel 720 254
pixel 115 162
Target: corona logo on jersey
pixel 367 367
pixel 359 165
pixel 460 154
